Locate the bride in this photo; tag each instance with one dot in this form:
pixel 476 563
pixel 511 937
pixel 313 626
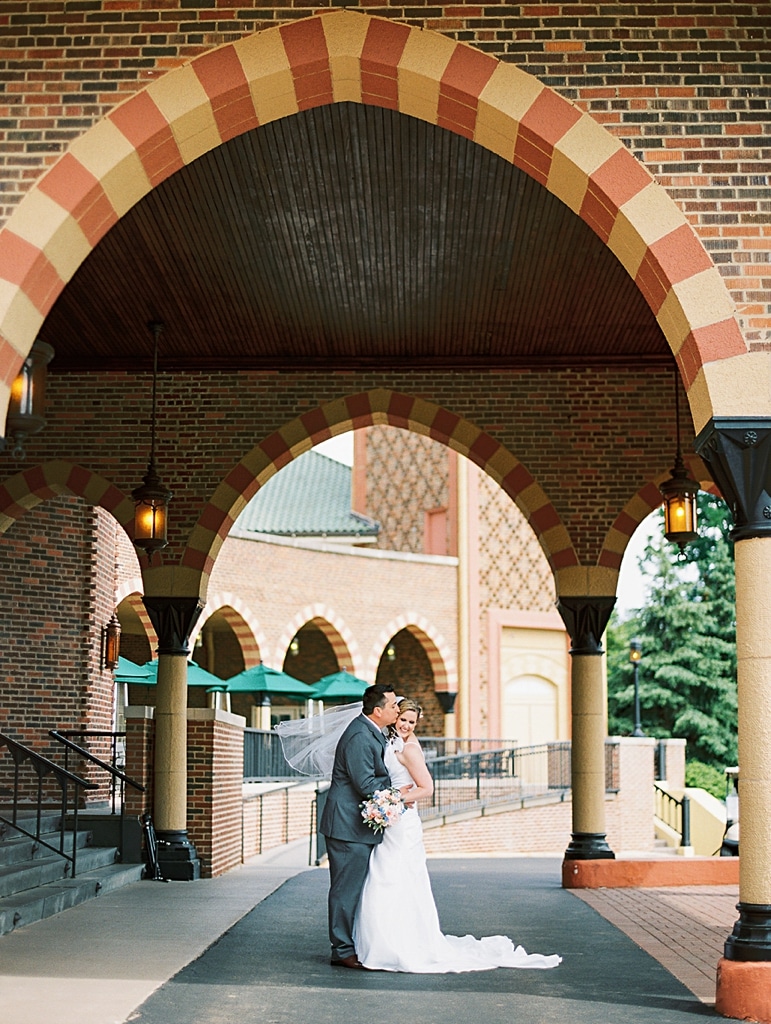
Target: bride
pixel 397 925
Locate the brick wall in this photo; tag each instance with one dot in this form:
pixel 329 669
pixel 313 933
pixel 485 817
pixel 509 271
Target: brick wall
pixel 54 600
pixel 685 86
pixel 566 426
pixel 359 597
pixel 275 815
pixel 407 476
pixel 215 776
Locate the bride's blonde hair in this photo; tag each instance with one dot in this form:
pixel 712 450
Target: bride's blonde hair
pixel 409 704
pixel 406 704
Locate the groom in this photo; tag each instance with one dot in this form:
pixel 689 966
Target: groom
pixel 358 772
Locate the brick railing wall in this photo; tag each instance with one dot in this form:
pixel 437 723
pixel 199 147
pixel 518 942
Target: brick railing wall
pixel 215 777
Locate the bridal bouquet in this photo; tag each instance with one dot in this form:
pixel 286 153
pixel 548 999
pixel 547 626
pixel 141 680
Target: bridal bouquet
pixel 382 809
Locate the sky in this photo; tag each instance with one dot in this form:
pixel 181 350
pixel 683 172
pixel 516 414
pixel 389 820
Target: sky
pixel 631 583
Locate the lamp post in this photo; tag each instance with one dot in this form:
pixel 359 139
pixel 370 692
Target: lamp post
pixel 635 654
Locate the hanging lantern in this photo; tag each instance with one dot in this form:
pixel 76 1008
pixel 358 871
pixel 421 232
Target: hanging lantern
pixel 26 405
pixel 679 493
pixel 152 497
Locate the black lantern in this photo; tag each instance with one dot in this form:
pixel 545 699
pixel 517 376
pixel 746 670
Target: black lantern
pixel 27 402
pixel 152 497
pixel 679 493
pixel 111 643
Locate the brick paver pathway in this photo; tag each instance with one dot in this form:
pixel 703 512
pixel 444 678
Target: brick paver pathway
pixel 683 927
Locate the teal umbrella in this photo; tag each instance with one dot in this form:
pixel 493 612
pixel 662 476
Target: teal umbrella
pixel 262 679
pixel 338 686
pixel 196 676
pixel 128 672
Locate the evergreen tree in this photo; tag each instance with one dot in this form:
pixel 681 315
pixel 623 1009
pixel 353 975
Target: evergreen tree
pixel 687 675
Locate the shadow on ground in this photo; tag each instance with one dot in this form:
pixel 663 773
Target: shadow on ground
pixel 272 966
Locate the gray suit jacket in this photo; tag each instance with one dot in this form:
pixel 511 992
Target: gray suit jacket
pixel 359 770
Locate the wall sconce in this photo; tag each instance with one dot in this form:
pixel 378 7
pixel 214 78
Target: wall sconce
pixel 111 643
pixel 391 652
pixel 294 647
pixel 27 402
pixel 679 493
pixel 152 497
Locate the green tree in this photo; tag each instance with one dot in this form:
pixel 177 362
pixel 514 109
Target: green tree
pixel 687 676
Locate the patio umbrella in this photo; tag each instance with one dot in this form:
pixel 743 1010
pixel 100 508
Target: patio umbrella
pixel 196 676
pixel 128 672
pixel 262 679
pixel 339 686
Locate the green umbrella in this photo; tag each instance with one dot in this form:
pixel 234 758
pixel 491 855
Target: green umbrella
pixel 262 679
pixel 339 685
pixel 196 676
pixel 128 672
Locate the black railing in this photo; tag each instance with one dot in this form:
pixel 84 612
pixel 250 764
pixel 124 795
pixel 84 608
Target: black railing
pixel 68 784
pixel 510 775
pixel 675 813
pixel 117 780
pixel 264 758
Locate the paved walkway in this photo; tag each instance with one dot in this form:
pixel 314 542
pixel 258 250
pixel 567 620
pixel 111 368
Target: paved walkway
pixel 251 946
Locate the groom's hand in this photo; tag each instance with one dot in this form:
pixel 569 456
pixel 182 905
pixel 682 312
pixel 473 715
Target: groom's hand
pixel 404 791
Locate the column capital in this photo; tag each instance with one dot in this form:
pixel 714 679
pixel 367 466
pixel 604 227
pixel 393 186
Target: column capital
pixel 737 450
pixel 585 619
pixel 173 619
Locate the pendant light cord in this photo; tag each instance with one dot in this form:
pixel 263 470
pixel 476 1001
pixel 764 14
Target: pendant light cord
pixel 157 328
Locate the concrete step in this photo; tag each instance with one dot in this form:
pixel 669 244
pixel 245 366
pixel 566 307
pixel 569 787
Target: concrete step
pixel 20 848
pixel 25 908
pixel 49 822
pixel 19 877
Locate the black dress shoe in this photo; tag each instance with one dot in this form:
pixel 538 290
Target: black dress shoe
pixel 351 961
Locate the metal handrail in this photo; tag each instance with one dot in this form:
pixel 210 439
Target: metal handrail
pixel 676 814
pixel 118 779
pixel 43 767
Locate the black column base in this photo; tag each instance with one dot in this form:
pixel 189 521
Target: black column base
pixel 177 857
pixel 589 846
pixel 751 937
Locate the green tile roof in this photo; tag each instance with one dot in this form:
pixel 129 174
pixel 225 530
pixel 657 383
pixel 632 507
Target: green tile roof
pixel 309 497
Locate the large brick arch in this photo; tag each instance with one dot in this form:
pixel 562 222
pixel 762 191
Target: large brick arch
pixel 431 640
pixel 28 488
pixel 346 56
pixel 334 628
pixel 381 406
pixel 240 618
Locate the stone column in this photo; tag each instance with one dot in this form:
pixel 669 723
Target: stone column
pixel 585 619
pixel 738 452
pixel 173 619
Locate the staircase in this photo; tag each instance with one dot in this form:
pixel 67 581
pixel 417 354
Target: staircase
pixel 35 883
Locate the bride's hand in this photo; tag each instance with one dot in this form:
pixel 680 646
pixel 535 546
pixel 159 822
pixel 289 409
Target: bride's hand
pixel 404 791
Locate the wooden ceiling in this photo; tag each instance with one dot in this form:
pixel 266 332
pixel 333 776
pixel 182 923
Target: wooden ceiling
pixel 351 236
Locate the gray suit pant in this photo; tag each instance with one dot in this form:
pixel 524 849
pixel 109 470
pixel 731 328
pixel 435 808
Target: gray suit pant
pixel 348 865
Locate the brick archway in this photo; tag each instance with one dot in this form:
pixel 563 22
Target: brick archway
pixel 326 619
pixel 347 56
pixel 251 639
pixel 435 646
pixel 29 487
pixel 381 406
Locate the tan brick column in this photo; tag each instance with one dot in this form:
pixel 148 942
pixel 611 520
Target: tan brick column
pixel 173 619
pixel 585 619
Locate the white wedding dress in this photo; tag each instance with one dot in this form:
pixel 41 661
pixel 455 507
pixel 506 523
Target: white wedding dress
pixel 397 925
